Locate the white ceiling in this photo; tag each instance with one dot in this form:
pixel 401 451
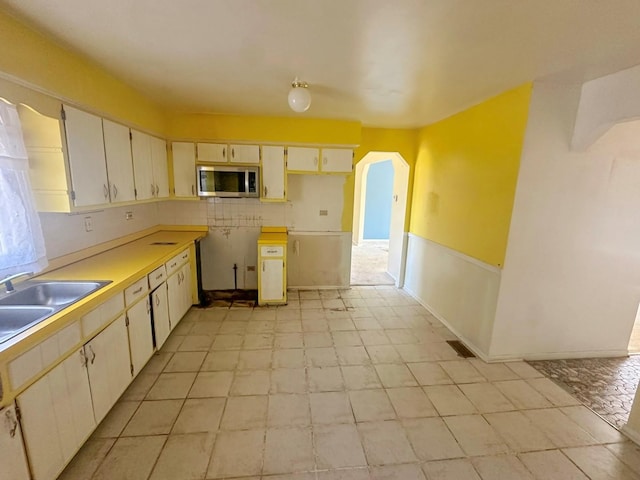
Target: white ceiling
pixel 387 63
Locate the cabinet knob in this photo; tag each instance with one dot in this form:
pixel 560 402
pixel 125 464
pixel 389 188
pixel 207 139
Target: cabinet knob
pixel 224 152
pixel 93 354
pixel 265 190
pixel 115 191
pixel 12 422
pixel 153 190
pixel 105 190
pixel 233 153
pixel 193 189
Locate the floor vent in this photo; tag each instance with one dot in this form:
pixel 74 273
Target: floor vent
pixel 460 349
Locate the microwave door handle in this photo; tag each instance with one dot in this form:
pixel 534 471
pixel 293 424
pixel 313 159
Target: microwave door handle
pixel 246 182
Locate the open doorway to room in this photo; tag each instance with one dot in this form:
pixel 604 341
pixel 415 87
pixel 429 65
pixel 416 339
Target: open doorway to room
pixel 380 203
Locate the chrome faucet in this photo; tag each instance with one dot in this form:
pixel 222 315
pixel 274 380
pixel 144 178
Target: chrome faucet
pixel 7 281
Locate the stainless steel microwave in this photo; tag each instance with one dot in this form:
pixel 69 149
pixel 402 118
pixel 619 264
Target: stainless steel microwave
pixel 214 181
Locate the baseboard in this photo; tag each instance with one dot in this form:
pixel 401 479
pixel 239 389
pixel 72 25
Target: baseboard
pixel 567 355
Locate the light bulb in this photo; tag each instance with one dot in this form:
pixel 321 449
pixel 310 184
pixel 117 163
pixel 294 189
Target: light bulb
pixel 299 99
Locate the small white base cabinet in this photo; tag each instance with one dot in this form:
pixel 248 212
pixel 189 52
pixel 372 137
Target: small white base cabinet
pixel 14 461
pixel 161 319
pixel 179 294
pixel 140 334
pixel 272 273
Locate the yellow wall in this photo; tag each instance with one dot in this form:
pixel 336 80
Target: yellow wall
pixel 35 61
pixel 465 176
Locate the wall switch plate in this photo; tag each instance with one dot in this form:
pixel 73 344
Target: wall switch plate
pixel 88 224
pixel 324 213
pixel 128 215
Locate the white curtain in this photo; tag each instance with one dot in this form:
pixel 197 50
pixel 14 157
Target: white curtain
pixel 22 247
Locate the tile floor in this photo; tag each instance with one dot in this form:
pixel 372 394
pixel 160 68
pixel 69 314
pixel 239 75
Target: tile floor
pixel 343 385
pixel 369 263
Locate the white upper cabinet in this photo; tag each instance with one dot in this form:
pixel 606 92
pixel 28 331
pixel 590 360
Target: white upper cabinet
pixel 160 167
pixel 117 146
pixel 273 174
pixel 184 169
pixel 149 166
pixel 212 152
pixel 244 154
pixel 302 159
pixel 337 160
pixel 85 148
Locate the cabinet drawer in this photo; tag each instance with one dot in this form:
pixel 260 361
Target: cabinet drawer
pixel 272 251
pixel 43 355
pixel 156 277
pixel 177 261
pixel 99 316
pixel 136 291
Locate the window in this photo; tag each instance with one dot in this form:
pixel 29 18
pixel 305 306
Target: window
pixel 22 246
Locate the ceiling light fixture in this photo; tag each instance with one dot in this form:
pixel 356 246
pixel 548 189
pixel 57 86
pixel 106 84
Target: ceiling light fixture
pixel 299 96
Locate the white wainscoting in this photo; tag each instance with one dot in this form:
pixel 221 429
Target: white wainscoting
pixel 460 291
pixel 319 259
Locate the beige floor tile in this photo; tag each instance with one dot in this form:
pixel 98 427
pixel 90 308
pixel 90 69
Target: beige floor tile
pixel 462 371
pixel 173 343
pixel 286 410
pixel 185 362
pixel 338 446
pixel 341 324
pixel 395 376
pixel 288 340
pixel 199 415
pixel 551 465
pixel 254 360
pixel 331 407
pixel 524 370
pixel 184 457
pixel 385 443
pixel 518 432
pixel 598 463
pixel 449 400
pixel 157 362
pixel 244 413
pixel 288 450
pixel 360 377
pixel 211 384
pixel 401 336
pixel 494 372
pixel 429 373
pixel 314 314
pixel 321 357
pixel 363 320
pixel 310 324
pixel 289 358
pixel 371 405
pixel 552 392
pixel 221 361
pixel 522 395
pixel 431 439
pixel 348 474
pixel 131 458
pixel 263 313
pixel 251 382
pixel 593 424
pixel 560 429
pixel 203 328
pixel 289 326
pixel 475 435
pixel 346 339
pixel 289 312
pixel 397 472
pixel 317 339
pixel 237 454
pixel 374 337
pixel 258 341
pixel 193 343
pixel 227 342
pixel 287 476
pixel 628 452
pixel 184 328
pixel 352 356
pixel 501 468
pixel 116 420
pixel 411 402
pixel 87 460
pixel 460 469
pixel 310 303
pixel 262 327
pixel 383 354
pixel 486 397
pixel 332 303
pixel 171 386
pixel 325 379
pixel 140 387
pixel 288 380
pixel 153 418
pixel 417 353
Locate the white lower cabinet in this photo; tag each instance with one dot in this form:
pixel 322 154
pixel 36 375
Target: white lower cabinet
pixel 160 310
pixel 272 280
pixel 57 416
pixel 13 459
pixel 109 366
pixel 140 334
pixel 179 293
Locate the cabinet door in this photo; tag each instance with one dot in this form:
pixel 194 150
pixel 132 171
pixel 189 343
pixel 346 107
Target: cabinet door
pixel 272 279
pixel 142 165
pixel 117 146
pixel 184 169
pixel 140 335
pixel 85 147
pixel 160 309
pixel 273 173
pixel 302 159
pixel 175 297
pixel 245 154
pixel 160 167
pixel 212 152
pixel 338 160
pixel 12 455
pixel 109 366
pixel 186 289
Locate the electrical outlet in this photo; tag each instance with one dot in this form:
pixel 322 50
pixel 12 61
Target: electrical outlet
pixel 251 268
pixel 128 215
pixel 324 213
pixel 88 224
